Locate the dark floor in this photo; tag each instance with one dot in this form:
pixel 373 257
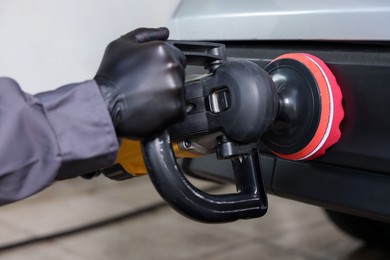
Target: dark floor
pixel 290 230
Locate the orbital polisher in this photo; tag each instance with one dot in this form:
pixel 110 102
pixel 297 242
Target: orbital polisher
pixel 293 107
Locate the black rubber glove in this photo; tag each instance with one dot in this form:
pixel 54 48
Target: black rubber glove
pixel 141 78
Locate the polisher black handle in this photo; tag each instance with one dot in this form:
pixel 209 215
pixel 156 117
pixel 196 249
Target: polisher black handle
pixel 249 202
pixel 206 54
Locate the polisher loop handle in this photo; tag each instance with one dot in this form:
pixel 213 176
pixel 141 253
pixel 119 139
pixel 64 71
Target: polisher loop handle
pixel 188 200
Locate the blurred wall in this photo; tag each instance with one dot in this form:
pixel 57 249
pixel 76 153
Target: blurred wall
pixel 45 44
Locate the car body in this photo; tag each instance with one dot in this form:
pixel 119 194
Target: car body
pixel 353 38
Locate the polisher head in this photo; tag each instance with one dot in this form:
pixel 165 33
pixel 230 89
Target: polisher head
pixel 310 107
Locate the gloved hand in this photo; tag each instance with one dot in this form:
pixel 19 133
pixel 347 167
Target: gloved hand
pixel 141 78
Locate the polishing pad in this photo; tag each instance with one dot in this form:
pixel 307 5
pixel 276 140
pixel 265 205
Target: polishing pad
pixel 310 107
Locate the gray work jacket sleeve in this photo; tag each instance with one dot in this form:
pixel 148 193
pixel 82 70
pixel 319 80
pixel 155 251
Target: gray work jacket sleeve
pixel 52 135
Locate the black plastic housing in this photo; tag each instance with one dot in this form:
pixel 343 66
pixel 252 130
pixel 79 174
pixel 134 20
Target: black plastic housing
pixel 252 103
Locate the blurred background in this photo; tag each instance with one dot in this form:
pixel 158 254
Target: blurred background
pixel 45 44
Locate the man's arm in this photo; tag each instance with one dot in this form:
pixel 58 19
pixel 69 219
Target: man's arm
pixel 137 92
pixel 52 135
